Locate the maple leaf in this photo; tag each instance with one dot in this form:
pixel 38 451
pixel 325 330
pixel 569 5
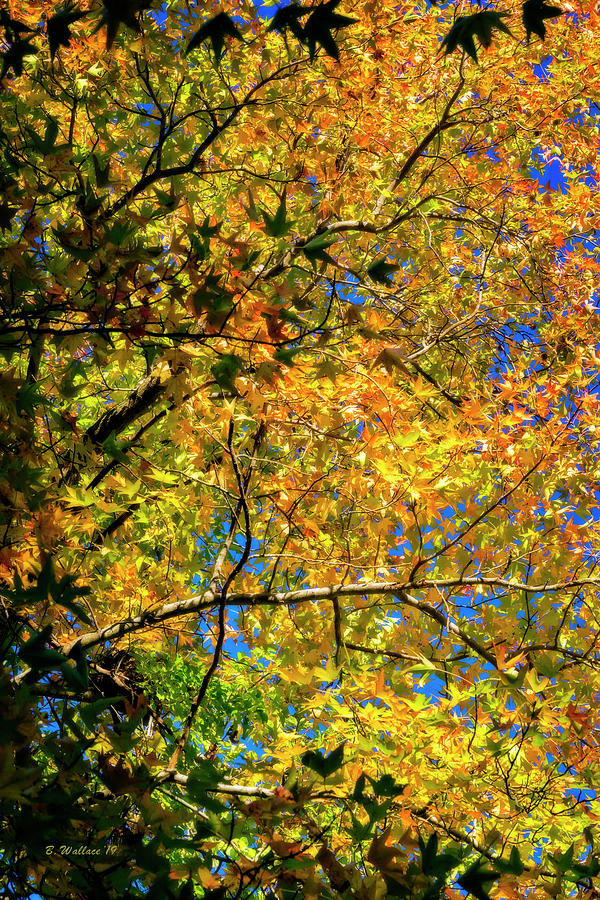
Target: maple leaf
pixel 288 18
pixel 101 172
pixel 317 250
pixel 391 358
pixel 215 30
pixel 121 12
pixel 476 880
pixel 13 26
pixel 467 28
pixel 324 765
pixel 277 225
pixel 14 56
pixel 319 26
pixel 118 778
pixel 534 13
pixel 59 27
pixel 380 271
pixel 382 855
pixel 226 370
pixel 6 215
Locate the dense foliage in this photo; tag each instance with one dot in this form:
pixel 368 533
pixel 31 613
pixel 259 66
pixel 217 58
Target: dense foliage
pixel 298 495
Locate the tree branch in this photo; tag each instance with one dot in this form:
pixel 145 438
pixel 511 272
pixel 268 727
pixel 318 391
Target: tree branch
pixel 208 599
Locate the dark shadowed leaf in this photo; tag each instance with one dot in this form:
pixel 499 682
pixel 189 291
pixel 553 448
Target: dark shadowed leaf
pixel 534 14
pixel 477 879
pixel 278 224
pixel 466 28
pixel 381 271
pixel 121 12
pixel 215 30
pixel 59 27
pixel 324 765
pixel 287 18
pixel 319 27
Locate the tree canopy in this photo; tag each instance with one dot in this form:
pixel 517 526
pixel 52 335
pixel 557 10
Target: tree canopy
pixel 299 501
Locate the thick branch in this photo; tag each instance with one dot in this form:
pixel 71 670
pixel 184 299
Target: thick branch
pixel 120 416
pixel 210 599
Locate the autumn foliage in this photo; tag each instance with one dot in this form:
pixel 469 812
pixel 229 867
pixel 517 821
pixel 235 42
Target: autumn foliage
pixel 299 418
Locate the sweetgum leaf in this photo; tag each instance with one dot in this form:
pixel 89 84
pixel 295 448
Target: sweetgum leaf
pixel 278 224
pixel 121 12
pixel 477 879
pixel 466 28
pixel 288 18
pixel 534 13
pixel 215 30
pixel 59 27
pixel 321 22
pixel 324 765
pixel 380 271
pixel 14 56
pixel 317 250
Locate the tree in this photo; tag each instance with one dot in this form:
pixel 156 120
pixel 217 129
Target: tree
pixel 299 488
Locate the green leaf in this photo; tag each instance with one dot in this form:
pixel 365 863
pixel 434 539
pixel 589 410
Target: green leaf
pixel 226 370
pixel 204 776
pixel 7 214
pixel 119 232
pixel 324 765
pixel 214 300
pixel 73 679
pixel 385 786
pixel 114 448
pixel 199 783
pixel 167 199
pixel 380 271
pixel 88 202
pixel 35 654
pixel 291 779
pixel 285 356
pixel 563 861
pixel 215 30
pixel 512 866
pixel 90 711
pixel 58 27
pixel 62 592
pixel 466 28
pixel 534 13
pixel 357 793
pixel 46 144
pixel 321 22
pixel 429 853
pixel 50 135
pixel 548 664
pixel 79 676
pixel 360 830
pixel 251 209
pixel 28 397
pixel 317 250
pixel 277 225
pixel 219 893
pixel 101 171
pixel 206 230
pixel 476 878
pixel 63 235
